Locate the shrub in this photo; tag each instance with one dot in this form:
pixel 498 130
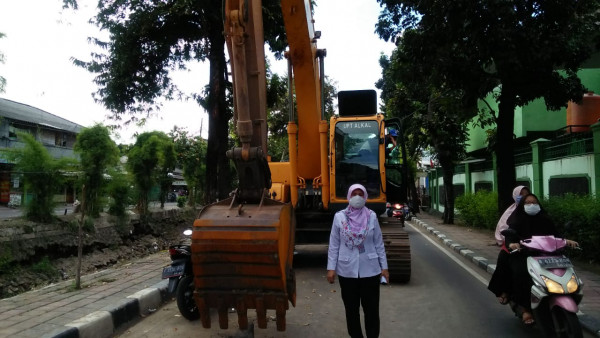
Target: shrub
pixel 577 218
pixel 44 267
pixel 6 261
pixel 181 201
pixel 478 210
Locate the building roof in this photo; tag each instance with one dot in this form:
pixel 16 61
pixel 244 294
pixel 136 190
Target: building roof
pixel 23 112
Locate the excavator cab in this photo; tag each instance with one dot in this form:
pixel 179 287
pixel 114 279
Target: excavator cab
pixel 358 142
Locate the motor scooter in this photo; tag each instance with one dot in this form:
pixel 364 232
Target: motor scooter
pixel 181 278
pixel 556 291
pixel 398 212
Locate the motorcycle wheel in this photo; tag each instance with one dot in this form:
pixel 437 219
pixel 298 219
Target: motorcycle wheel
pixel 566 324
pixel 185 298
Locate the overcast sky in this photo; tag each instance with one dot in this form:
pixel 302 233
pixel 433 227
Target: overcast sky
pixel 41 38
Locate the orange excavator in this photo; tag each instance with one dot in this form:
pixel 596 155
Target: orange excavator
pixel 243 247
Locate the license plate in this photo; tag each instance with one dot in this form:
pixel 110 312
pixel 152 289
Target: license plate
pixel 173 271
pixel 555 262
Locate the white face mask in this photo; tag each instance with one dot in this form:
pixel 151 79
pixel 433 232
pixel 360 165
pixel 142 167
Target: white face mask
pixel 532 209
pixel 357 202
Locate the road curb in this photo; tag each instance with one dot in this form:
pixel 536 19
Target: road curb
pixel 103 323
pixel 464 251
pixel 589 323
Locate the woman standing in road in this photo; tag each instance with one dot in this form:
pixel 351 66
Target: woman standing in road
pixel 357 255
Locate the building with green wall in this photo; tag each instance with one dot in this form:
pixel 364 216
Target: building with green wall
pixel 548 157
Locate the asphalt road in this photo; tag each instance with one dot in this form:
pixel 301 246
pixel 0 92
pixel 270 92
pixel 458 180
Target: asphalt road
pixel 6 212
pixel 446 297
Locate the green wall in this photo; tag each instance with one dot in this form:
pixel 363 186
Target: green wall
pixel 534 116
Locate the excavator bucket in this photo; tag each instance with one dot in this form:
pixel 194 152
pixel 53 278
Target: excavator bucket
pixel 242 259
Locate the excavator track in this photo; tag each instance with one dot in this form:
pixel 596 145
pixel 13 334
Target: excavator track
pixel 397 249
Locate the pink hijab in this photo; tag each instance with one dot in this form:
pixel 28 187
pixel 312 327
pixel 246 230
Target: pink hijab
pixel 502 222
pixel 354 229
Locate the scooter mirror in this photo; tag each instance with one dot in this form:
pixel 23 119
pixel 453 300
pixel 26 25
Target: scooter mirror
pixel 187 232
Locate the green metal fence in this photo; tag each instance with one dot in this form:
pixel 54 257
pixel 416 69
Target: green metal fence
pixel 569 145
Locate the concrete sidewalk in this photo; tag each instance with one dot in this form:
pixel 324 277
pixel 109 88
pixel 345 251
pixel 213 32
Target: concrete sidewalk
pixel 107 300
pixel 479 246
pixel 114 297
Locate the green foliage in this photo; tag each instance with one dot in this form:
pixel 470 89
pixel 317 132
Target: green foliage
pixel 432 113
pixel 478 210
pixel 577 218
pixel 150 159
pixel 181 201
pixel 97 152
pixel 42 177
pixel 44 267
pixel 88 226
pixel 6 261
pixel 119 192
pixel 526 50
pixel 191 152
pixel 2 79
pixel 278 106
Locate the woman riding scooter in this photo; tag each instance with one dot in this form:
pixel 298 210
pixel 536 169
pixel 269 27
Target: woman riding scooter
pixel 501 279
pixel 528 220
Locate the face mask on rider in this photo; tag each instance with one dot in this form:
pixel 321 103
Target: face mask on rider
pixel 518 199
pixel 357 202
pixel 532 209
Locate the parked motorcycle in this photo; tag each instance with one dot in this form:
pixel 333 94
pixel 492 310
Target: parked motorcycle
pixel 181 278
pixel 556 291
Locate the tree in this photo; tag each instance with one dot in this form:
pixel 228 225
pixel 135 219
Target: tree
pixel 431 112
pixel 278 107
pixel 526 49
pixel 148 39
pixel 190 151
pixel 164 172
pixel 42 175
pixel 2 79
pixel 149 159
pixel 97 152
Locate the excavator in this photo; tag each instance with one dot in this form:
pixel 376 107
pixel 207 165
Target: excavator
pixel 243 246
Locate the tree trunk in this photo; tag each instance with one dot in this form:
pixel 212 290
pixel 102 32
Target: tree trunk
pixel 505 161
pixel 405 176
pixel 448 168
pixel 80 240
pixel 413 192
pixel 218 175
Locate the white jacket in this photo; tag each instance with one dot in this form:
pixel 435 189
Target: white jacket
pixel 348 262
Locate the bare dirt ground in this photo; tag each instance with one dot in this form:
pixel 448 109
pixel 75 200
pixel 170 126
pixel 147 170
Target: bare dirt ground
pixel 23 277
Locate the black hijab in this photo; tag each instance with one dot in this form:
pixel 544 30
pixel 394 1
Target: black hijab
pixel 526 225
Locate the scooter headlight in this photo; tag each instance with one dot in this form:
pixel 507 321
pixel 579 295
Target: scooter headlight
pixel 572 284
pixel 552 286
